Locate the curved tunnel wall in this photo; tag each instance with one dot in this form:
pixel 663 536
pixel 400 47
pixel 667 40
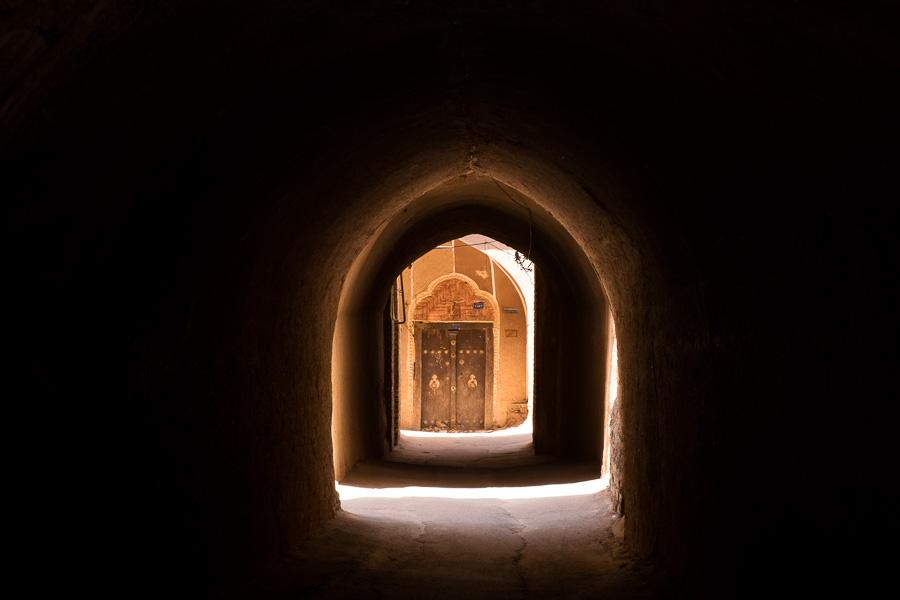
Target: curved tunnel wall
pixel 185 177
pixel 571 343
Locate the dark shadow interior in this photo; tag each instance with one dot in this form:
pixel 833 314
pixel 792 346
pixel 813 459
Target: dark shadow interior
pixel 206 203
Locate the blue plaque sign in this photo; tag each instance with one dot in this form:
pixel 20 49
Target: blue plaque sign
pixel 454 326
pixel 479 305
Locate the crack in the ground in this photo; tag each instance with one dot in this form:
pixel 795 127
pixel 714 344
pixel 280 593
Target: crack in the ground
pixel 520 551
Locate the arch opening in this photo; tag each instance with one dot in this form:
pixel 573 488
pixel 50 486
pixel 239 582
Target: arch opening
pixel 571 325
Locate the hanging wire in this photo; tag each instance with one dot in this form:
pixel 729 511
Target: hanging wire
pixel 524 261
pixel 530 227
pixel 521 259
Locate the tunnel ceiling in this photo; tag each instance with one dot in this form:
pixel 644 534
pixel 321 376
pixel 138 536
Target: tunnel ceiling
pixel 615 101
pixel 594 100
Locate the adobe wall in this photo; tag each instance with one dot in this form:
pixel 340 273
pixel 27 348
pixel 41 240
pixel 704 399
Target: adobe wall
pixel 512 373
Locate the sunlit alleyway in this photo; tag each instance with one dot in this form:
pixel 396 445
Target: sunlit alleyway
pixel 508 525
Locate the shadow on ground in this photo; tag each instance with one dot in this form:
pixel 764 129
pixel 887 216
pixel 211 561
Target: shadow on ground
pixel 410 546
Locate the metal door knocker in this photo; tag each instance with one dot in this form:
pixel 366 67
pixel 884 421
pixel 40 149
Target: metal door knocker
pixel 434 384
pixel 472 383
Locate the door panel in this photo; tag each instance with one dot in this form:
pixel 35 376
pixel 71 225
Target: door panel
pixel 435 370
pixel 470 377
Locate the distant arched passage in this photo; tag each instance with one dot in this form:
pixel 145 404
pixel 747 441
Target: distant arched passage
pixel 571 335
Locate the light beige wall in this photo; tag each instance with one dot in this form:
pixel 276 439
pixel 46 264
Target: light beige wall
pixel 511 401
pixel 430 266
pixel 474 264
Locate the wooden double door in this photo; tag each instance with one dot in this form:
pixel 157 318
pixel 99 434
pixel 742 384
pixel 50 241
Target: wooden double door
pixel 455 381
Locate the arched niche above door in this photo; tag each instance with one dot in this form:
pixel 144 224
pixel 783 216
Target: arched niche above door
pixel 454 298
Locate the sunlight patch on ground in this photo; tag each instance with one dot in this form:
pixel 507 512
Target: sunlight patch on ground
pixel 426 434
pixel 579 488
pixel 524 428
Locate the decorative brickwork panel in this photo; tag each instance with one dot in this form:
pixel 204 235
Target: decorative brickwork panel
pixel 453 300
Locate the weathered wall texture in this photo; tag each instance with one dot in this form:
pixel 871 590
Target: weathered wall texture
pixel 206 202
pixel 510 368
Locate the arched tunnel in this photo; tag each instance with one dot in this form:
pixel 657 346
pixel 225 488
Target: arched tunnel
pixel 208 203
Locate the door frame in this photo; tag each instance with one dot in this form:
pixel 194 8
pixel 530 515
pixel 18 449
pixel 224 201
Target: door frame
pixel 488 327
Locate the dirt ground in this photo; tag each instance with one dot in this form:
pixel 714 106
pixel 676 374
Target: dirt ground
pixel 468 516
